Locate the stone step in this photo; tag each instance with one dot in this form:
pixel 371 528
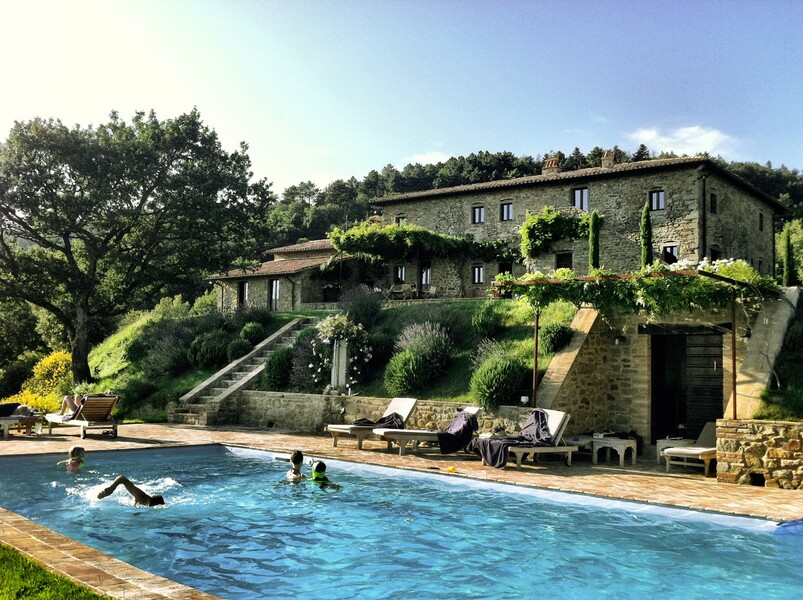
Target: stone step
pixel 186 418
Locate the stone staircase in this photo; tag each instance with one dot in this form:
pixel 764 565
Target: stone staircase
pixel 207 403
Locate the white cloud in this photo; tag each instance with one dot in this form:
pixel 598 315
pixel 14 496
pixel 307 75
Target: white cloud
pixel 427 158
pixel 686 140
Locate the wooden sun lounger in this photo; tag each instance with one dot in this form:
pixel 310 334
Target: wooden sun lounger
pixel 95 413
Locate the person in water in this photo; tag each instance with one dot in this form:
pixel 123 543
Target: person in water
pixel 140 497
pixel 295 474
pixel 75 458
pixel 319 475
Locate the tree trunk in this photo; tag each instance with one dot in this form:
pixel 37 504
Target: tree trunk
pixel 79 345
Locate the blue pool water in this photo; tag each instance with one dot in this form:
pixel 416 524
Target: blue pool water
pixel 232 527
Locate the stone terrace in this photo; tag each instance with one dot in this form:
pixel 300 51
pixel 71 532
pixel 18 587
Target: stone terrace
pixel 644 482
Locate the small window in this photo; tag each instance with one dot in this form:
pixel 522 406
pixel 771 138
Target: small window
pixel 761 221
pixel 242 294
pixel 712 206
pixel 714 253
pixel 760 266
pixel 426 273
pixel 563 260
pixel 580 198
pixel 399 274
pixel 505 267
pixel 670 254
pixel 657 200
pixel 506 211
pixel 477 215
pixel 478 274
pixel 401 220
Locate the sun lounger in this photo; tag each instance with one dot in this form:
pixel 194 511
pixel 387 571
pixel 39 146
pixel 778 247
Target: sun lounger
pixel 95 413
pixel 415 436
pixel 704 449
pixel 542 434
pixel 7 418
pixel 556 423
pixel 401 406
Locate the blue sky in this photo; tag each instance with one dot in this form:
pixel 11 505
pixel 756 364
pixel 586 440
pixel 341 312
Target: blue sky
pixel 327 90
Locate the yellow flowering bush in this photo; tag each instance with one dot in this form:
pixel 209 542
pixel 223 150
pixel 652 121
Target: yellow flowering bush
pixel 52 378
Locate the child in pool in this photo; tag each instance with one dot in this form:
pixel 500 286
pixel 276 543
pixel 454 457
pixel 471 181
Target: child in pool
pixel 75 458
pixel 295 474
pixel 319 475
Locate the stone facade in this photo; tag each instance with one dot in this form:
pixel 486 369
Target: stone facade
pixel 301 275
pixel 706 212
pixel 766 453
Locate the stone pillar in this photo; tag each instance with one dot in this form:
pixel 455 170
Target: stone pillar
pixel 340 363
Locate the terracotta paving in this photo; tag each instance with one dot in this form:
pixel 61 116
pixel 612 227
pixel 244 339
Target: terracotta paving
pixel 644 482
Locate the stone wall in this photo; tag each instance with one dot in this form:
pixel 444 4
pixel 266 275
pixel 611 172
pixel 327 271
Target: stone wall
pixel 767 453
pixel 686 221
pixel 735 227
pixel 310 413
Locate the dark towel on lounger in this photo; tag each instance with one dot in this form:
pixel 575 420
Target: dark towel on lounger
pixel 391 421
pixel 494 450
pixel 458 435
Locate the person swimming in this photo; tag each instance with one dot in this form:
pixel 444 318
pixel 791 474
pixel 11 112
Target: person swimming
pixel 295 474
pixel 75 459
pixel 140 497
pixel 319 475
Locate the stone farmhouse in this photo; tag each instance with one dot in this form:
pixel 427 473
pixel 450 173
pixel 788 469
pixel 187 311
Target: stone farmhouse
pixel 698 209
pixel 309 275
pixel 623 374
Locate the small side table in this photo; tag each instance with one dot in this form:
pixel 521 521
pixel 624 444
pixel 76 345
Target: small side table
pixel 661 445
pixel 618 444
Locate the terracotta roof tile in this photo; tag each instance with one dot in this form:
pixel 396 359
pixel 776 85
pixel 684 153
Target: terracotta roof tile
pixel 624 168
pixel 274 267
pixel 324 244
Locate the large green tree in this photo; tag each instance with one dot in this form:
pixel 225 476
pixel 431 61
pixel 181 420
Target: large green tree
pixel 96 220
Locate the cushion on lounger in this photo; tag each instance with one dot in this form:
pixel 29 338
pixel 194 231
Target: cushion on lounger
pixel 8 408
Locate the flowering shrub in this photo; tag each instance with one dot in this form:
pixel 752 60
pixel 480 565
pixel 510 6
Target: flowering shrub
pixel 52 377
pixel 339 327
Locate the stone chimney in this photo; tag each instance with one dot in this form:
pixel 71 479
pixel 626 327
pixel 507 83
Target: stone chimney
pixel 608 159
pixel 551 166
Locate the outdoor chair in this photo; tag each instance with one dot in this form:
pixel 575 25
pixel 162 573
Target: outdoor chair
pixel 401 406
pixel 702 452
pixel 416 436
pixel 94 413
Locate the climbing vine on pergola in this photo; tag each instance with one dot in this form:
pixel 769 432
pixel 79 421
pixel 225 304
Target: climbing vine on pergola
pixel 374 242
pixel 656 290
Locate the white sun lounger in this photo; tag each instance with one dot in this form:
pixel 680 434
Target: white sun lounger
pixel 704 449
pixel 414 436
pixel 402 406
pixel 556 422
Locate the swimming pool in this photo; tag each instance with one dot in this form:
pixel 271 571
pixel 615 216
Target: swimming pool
pixel 231 527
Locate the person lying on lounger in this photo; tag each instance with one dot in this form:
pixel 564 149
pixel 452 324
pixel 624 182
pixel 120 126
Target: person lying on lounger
pixel 140 497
